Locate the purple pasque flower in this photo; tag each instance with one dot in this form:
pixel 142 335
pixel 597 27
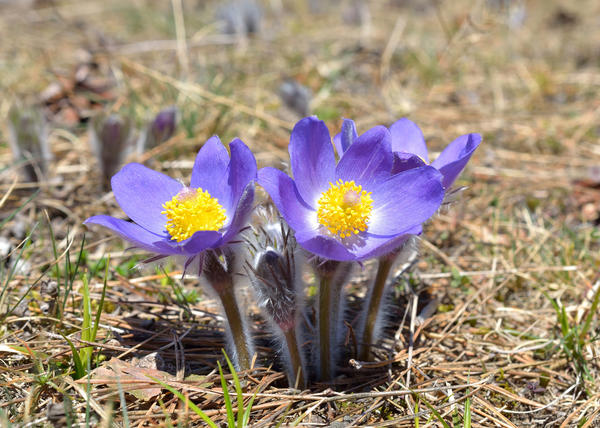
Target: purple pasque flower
pixel 170 218
pixel 410 149
pixel 356 209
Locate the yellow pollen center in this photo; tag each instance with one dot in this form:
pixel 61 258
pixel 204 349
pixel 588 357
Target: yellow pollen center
pixel 192 210
pixel 345 208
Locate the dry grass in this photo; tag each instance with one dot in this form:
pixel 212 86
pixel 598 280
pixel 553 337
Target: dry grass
pixel 524 231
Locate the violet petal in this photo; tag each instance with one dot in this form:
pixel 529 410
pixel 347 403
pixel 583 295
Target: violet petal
pixel 346 137
pixel 141 192
pixel 405 200
pixel 210 171
pixel 455 156
pixel 368 159
pixel 135 234
pixel 284 193
pixel 408 137
pixel 312 158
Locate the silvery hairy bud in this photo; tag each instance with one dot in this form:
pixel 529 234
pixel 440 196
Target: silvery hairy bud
pixel 276 277
pixel 273 281
pixel 296 97
pixel 240 17
pixel 28 138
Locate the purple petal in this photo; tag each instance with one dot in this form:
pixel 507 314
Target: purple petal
pixel 141 192
pixel 241 215
pixel 405 161
pixel 346 137
pixel 455 156
pixel 312 158
pixel 210 171
pixel 326 247
pixel 242 170
pixel 405 200
pixel 284 193
pixel 407 137
pixel 377 246
pixel 135 234
pixel 199 241
pixel 368 159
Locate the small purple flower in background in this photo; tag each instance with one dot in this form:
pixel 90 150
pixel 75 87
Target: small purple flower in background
pixel 356 209
pixel 170 218
pixel 110 138
pixel 159 129
pixel 410 149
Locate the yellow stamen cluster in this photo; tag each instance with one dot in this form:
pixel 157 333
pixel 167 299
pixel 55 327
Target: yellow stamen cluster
pixel 192 210
pixel 345 208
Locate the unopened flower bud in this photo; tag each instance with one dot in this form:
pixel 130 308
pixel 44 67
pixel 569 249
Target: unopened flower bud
pixel 28 138
pixel 240 17
pixel 110 137
pixel 274 283
pixel 295 96
pixel 159 129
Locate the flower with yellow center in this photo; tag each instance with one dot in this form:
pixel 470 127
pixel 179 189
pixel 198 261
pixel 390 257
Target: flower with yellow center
pixel 354 208
pixel 192 210
pixel 344 209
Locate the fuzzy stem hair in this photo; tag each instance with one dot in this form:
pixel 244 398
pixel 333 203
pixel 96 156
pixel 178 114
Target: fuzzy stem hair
pixel 221 279
pixel 373 305
pixel 296 371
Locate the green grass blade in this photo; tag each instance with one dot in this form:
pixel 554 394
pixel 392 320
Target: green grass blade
pixel 79 368
pixel 248 409
pixel 86 330
pixel 100 306
pixel 238 391
pixel 187 401
pixel 227 398
pixel 433 410
pixel 416 410
pixel 467 416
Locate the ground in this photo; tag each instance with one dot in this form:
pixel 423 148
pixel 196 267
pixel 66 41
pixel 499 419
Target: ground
pixel 491 327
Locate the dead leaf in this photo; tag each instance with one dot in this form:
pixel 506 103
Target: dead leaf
pixel 129 374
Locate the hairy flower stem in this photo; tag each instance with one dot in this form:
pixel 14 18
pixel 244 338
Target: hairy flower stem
pixel 235 324
pixel 333 275
pixel 296 375
pixel 325 323
pixel 373 306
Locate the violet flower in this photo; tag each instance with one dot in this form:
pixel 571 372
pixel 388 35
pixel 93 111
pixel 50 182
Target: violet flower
pixel 158 130
pixel 110 138
pixel 356 209
pixel 351 211
pixel 171 219
pixel 410 149
pixel 410 152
